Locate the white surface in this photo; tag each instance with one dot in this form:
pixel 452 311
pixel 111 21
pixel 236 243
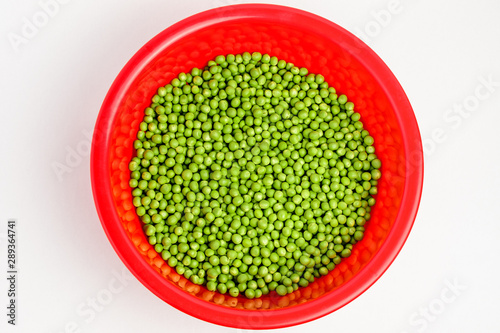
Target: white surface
pixel 51 89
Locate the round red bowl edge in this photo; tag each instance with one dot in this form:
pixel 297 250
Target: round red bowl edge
pixel 210 312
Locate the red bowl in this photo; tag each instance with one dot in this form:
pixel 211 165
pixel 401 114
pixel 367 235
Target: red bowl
pixel 307 41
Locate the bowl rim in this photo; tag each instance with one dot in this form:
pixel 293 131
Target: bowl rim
pixel 255 319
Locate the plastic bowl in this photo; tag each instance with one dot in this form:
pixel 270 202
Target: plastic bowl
pixel 306 40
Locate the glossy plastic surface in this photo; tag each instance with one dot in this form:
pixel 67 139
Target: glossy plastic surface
pixel 306 40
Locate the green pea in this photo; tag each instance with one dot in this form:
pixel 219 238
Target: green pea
pixel 252 175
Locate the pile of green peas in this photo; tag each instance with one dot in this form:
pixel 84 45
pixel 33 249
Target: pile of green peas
pixel 252 175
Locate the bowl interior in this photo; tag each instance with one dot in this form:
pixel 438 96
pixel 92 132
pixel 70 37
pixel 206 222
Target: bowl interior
pixel 307 41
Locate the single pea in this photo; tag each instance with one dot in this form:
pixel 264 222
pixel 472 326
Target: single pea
pixel 281 290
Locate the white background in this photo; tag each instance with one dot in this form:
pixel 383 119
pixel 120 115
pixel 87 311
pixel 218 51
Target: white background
pixel 53 83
